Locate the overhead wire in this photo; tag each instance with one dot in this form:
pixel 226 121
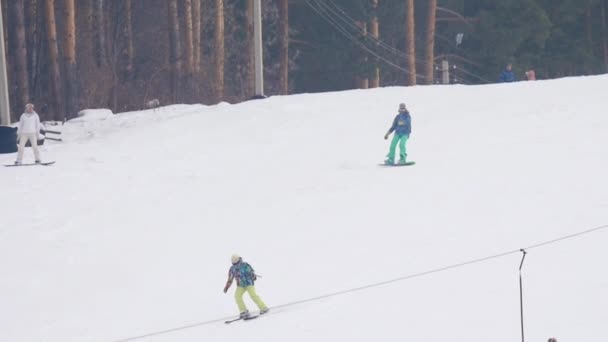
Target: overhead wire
pixel 332 15
pixel 341 14
pixel 382 283
pixel 356 40
pixel 464 71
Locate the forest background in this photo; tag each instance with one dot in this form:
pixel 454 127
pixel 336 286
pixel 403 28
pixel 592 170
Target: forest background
pixel 66 55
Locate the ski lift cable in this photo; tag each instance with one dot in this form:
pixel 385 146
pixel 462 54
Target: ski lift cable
pixel 351 22
pixel 473 75
pixel 353 36
pixel 382 283
pixel 388 47
pixel 341 14
pixel 454 45
pixel 355 40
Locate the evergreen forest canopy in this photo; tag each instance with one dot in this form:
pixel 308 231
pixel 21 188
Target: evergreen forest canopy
pixel 66 55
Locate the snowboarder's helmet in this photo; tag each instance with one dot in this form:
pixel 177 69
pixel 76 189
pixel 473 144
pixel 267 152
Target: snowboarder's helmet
pixel 402 107
pixel 235 258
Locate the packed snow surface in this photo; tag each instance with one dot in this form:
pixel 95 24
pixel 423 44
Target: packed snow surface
pixel 129 235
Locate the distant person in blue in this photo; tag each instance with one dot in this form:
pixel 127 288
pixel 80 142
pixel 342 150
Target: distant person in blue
pixel 507 75
pixel 402 126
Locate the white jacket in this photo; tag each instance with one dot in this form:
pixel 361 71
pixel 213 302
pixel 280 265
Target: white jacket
pixel 29 123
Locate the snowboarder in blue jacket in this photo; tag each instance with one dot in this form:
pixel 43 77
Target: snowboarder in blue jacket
pixel 402 126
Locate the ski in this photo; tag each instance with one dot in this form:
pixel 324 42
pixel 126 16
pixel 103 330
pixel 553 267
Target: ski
pixel 233 320
pixel 242 319
pixel 245 318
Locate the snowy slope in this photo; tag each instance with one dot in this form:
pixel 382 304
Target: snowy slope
pixel 131 232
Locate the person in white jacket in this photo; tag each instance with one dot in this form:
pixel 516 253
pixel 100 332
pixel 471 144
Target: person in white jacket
pixel 28 129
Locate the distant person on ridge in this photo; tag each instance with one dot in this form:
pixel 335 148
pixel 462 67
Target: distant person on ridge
pixel 507 75
pixel 402 126
pixel 28 129
pixel 531 75
pixel 245 277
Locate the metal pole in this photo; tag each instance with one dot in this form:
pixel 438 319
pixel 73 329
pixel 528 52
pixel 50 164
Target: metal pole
pixel 521 294
pixel 5 111
pixel 445 71
pixel 258 53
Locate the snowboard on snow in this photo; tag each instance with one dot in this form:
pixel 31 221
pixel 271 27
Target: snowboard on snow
pixel 409 163
pixel 31 164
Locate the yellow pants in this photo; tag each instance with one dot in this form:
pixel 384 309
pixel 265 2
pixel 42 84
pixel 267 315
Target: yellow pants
pixel 238 295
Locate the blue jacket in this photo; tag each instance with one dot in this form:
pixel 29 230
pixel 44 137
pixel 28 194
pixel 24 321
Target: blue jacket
pixel 243 273
pixel 506 76
pixel 402 124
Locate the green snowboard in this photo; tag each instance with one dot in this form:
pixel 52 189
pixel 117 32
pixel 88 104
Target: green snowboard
pixel 408 163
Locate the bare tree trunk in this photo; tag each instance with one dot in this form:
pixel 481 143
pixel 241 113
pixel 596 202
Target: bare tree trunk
pixel 605 34
pixel 89 9
pixel 13 112
pixel 284 47
pixel 410 40
pixel 362 80
pixel 250 71
pixel 32 43
pixel 219 50
pixel 129 53
pixel 100 32
pixel 189 59
pixel 20 61
pixel 589 26
pixel 114 20
pixel 430 42
pixel 589 35
pixel 5 15
pixel 196 27
pixel 51 30
pixel 71 79
pixel 374 81
pixel 189 37
pixel 175 58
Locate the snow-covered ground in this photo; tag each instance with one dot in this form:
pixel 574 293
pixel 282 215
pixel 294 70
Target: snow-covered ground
pixel 130 233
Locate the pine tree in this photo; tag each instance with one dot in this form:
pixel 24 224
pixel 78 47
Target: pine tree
pixel 430 41
pixel 175 56
pixel 20 69
pixel 55 80
pixel 410 38
pixel 284 47
pixel 71 78
pixel 219 50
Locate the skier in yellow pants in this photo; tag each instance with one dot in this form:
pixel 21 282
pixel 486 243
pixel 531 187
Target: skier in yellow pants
pixel 245 278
